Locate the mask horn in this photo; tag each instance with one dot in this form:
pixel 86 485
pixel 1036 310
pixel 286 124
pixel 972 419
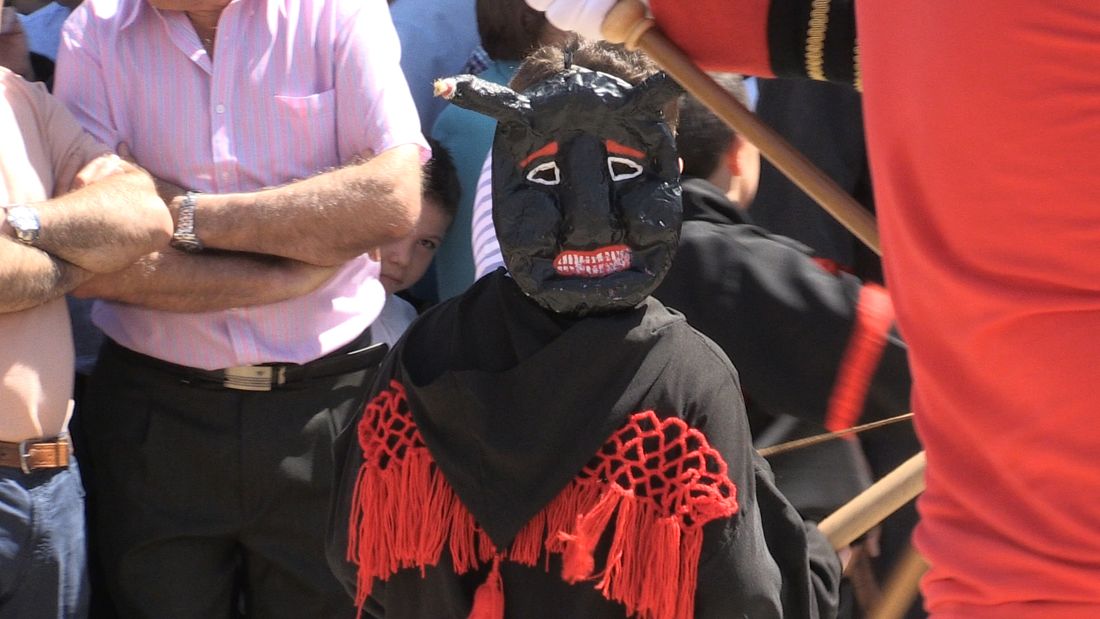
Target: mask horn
pixel 478 95
pixel 654 92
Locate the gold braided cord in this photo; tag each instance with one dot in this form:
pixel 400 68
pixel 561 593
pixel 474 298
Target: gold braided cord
pixel 815 39
pixel 858 81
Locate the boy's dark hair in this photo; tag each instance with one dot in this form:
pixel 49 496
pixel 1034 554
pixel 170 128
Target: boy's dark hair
pixel 632 67
pixel 509 29
pixel 702 137
pixel 441 179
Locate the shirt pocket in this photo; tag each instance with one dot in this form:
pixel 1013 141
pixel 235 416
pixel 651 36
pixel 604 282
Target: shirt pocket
pixel 306 127
pixel 315 106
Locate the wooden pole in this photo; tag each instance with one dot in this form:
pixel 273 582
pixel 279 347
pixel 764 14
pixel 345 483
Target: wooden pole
pixel 628 23
pixel 901 588
pixel 874 504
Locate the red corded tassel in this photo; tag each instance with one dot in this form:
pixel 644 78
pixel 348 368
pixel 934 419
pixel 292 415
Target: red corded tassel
pixel 489 597
pixel 577 562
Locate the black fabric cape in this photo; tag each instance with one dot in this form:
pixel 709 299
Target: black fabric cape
pixel 512 401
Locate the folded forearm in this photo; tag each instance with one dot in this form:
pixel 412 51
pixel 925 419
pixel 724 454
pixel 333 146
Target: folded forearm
pixel 327 219
pixel 107 225
pixel 30 277
pixel 178 282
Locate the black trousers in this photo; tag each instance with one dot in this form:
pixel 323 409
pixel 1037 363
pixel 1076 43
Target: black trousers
pixel 208 502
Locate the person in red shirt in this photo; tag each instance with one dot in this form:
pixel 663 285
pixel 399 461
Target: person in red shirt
pixel 980 119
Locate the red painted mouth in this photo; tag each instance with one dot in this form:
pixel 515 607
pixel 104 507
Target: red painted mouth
pixel 593 263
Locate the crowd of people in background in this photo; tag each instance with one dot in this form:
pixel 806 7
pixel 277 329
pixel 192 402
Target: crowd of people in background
pixel 228 212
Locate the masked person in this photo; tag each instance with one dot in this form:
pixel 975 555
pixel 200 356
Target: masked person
pixel 556 443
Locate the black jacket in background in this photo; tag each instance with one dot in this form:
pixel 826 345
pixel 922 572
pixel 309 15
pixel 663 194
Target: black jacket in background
pixel 783 320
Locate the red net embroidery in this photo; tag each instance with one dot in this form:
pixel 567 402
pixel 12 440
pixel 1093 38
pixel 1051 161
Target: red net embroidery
pixel 669 465
pixel 387 431
pixel 657 480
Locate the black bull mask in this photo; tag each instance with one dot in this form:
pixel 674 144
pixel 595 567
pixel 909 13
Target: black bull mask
pixel 586 192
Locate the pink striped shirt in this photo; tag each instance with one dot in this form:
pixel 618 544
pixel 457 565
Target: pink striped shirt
pixel 296 87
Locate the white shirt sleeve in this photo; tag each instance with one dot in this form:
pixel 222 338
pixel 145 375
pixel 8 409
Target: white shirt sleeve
pixel 487 256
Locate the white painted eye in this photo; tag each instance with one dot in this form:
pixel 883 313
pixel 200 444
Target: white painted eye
pixel 545 174
pixel 622 169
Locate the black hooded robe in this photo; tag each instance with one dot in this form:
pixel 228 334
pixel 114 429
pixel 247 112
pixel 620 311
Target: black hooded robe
pixel 508 443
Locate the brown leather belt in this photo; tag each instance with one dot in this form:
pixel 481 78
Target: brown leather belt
pixel 32 455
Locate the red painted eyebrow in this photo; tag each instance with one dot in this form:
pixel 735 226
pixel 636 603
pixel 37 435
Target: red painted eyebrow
pixel 545 151
pixel 621 149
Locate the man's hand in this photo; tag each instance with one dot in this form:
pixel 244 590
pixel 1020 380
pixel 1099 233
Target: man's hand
pixel 97 170
pixel 585 17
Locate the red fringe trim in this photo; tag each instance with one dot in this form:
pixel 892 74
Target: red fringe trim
pixel 874 315
pixel 404 513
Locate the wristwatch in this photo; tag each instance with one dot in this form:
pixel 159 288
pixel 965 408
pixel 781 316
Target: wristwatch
pixel 24 221
pixel 184 238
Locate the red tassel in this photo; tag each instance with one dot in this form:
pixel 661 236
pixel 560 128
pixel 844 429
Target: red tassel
pixel 578 562
pixel 489 597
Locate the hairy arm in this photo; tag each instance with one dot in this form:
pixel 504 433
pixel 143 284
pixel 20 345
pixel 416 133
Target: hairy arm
pixel 324 220
pixel 170 280
pixel 107 224
pixel 112 219
pixel 30 277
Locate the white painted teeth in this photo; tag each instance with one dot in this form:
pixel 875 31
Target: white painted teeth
pixel 593 264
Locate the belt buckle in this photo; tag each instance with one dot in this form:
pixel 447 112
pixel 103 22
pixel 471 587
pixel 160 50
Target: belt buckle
pixel 254 377
pixel 25 456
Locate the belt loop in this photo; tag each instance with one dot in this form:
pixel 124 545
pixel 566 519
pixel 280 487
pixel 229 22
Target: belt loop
pixel 62 441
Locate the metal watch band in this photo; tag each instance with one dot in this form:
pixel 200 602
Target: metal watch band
pixel 184 237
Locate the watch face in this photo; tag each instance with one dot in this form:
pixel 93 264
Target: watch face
pixel 24 220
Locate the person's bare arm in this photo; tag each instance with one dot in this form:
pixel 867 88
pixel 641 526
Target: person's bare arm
pixel 107 224
pixel 174 281
pixel 111 220
pixel 324 220
pixel 30 277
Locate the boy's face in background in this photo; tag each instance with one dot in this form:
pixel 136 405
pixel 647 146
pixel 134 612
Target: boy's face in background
pixel 405 261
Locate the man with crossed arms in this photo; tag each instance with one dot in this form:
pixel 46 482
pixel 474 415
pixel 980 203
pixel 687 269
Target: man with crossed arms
pixel 287 147
pixel 69 210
